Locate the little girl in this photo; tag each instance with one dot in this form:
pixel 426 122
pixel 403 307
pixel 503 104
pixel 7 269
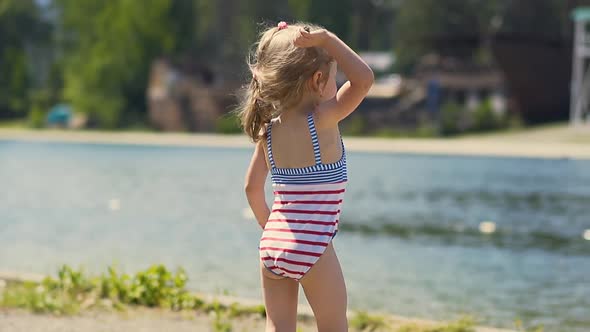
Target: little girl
pixel 291 110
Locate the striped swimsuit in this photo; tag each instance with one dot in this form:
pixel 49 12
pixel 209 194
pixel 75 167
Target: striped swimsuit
pixel 305 212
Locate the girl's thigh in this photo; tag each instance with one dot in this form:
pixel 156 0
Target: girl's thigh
pixel 280 299
pixel 325 290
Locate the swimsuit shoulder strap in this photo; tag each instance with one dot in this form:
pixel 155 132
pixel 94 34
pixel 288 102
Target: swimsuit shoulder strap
pixel 269 144
pixel 314 139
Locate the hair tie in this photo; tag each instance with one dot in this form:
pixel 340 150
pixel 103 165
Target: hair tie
pixel 282 25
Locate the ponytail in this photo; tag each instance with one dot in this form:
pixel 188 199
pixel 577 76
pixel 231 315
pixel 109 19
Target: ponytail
pixel 253 111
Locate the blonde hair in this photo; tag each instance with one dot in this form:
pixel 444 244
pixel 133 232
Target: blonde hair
pixel 280 71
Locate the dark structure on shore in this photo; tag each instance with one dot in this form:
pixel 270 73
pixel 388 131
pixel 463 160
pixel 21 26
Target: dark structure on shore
pixel 187 96
pixel 537 67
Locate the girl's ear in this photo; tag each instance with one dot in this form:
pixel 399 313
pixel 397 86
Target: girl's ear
pixel 316 81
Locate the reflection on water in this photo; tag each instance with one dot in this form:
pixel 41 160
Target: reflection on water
pixel 434 237
pixel 461 235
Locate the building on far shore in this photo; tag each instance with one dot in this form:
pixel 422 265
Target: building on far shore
pixel 464 83
pixel 186 96
pixel 190 96
pixel 405 103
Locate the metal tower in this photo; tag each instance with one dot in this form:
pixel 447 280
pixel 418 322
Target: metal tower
pixel 580 87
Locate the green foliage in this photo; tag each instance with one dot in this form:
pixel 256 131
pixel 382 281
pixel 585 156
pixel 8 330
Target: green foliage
pixel 13 124
pixel 155 287
pixel 220 321
pixel 72 290
pixel 452 27
pixel 457 27
pixel 520 327
pixel 58 296
pixel 21 27
pixel 335 18
pixel 14 80
pixel 391 133
pixel 540 19
pixel 228 124
pixel 40 103
pixel 484 118
pixel 454 119
pixel 237 310
pixel 96 55
pixel 109 47
pixel 462 325
pixel 36 118
pixel 451 115
pixel 362 321
pixel 259 309
pixel 424 130
pixel 355 126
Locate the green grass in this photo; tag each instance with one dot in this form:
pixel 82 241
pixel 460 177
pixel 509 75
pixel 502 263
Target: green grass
pixel 518 130
pixel 19 124
pixel 73 291
pixel 362 321
pixel 156 287
pixel 461 325
pixel 221 322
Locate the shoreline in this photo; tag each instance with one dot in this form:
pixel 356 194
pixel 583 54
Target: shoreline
pixel 304 311
pixel 546 143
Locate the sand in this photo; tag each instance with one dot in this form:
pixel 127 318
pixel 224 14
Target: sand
pixel 555 142
pixel 142 319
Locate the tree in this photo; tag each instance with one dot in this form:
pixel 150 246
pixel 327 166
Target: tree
pixel 458 28
pixel 21 27
pixel 450 28
pixel 539 20
pixel 109 46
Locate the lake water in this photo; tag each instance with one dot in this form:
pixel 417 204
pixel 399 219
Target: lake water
pixel 410 241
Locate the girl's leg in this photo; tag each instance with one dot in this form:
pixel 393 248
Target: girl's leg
pixel 280 298
pixel 325 291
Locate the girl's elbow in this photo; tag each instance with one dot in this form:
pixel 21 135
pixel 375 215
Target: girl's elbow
pixel 250 188
pixel 369 78
pixel 365 80
pixel 366 83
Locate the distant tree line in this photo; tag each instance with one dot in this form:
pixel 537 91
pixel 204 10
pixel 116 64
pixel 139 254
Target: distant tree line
pixel 95 55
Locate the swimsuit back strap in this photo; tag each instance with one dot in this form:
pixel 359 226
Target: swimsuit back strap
pixel 314 139
pixel 269 145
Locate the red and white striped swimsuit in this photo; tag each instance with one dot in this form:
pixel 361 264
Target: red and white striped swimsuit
pixel 305 213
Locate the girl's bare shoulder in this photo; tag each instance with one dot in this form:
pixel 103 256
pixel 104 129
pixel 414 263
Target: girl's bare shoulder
pixel 321 119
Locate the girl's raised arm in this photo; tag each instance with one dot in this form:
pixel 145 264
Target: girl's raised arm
pixel 359 74
pixel 254 184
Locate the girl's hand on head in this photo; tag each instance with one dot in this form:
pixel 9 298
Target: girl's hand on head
pixel 310 39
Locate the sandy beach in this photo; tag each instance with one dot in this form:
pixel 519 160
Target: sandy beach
pixel 142 319
pixel 149 320
pixel 556 142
